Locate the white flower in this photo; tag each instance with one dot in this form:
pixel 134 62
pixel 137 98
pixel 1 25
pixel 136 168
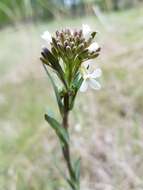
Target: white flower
pixel 86 65
pixel 89 79
pixel 86 31
pixel 93 47
pixel 47 36
pixel 78 127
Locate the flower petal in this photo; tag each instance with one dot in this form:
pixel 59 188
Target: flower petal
pixel 96 74
pixel 94 84
pixel 86 30
pixel 88 63
pixel 84 86
pixel 93 47
pixel 47 36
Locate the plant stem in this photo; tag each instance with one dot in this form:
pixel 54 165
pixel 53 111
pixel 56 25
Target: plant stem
pixel 66 148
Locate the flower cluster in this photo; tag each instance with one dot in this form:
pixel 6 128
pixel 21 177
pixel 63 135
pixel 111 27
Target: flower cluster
pixel 69 52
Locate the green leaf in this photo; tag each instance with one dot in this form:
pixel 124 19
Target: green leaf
pixel 76 83
pixel 71 183
pixel 60 104
pixel 60 131
pixel 77 169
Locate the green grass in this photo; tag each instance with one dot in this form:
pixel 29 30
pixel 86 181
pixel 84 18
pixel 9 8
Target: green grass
pixel 110 141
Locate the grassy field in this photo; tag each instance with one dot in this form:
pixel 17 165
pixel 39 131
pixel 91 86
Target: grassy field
pixel 107 126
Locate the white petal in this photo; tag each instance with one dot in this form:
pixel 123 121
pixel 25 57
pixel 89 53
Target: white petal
pixel 86 31
pixel 47 36
pixel 94 84
pixel 87 63
pixel 84 86
pixel 72 32
pixel 96 74
pixel 93 47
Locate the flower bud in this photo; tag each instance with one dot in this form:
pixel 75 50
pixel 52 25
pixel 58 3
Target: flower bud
pixel 75 33
pixel 72 44
pixel 66 43
pixel 80 33
pixel 80 47
pixel 57 33
pixel 54 42
pixel 60 47
pixel 68 50
pixel 62 36
pixel 77 39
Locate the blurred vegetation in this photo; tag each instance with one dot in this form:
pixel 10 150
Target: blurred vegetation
pixel 110 121
pixel 12 11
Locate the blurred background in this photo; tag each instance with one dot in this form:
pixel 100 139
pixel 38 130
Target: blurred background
pixel 106 125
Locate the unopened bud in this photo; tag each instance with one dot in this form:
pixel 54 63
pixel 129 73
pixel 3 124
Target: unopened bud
pixel 60 47
pixel 75 33
pixel 72 44
pixel 80 47
pixel 66 43
pixel 77 39
pixel 54 42
pixel 57 33
pixel 68 48
pixel 62 36
pixel 80 33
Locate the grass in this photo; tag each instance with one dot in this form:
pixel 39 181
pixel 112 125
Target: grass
pixel 110 140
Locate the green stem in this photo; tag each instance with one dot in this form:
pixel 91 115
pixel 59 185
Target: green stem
pixel 66 148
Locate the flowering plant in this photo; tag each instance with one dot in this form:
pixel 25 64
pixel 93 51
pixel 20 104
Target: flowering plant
pixel 68 55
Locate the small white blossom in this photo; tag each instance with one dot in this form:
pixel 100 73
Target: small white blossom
pixel 86 65
pixel 93 47
pixel 78 127
pixel 86 31
pixel 89 79
pixel 47 36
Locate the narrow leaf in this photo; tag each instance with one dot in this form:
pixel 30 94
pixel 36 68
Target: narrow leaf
pixel 71 183
pixel 60 104
pixel 77 83
pixel 60 131
pixel 77 169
